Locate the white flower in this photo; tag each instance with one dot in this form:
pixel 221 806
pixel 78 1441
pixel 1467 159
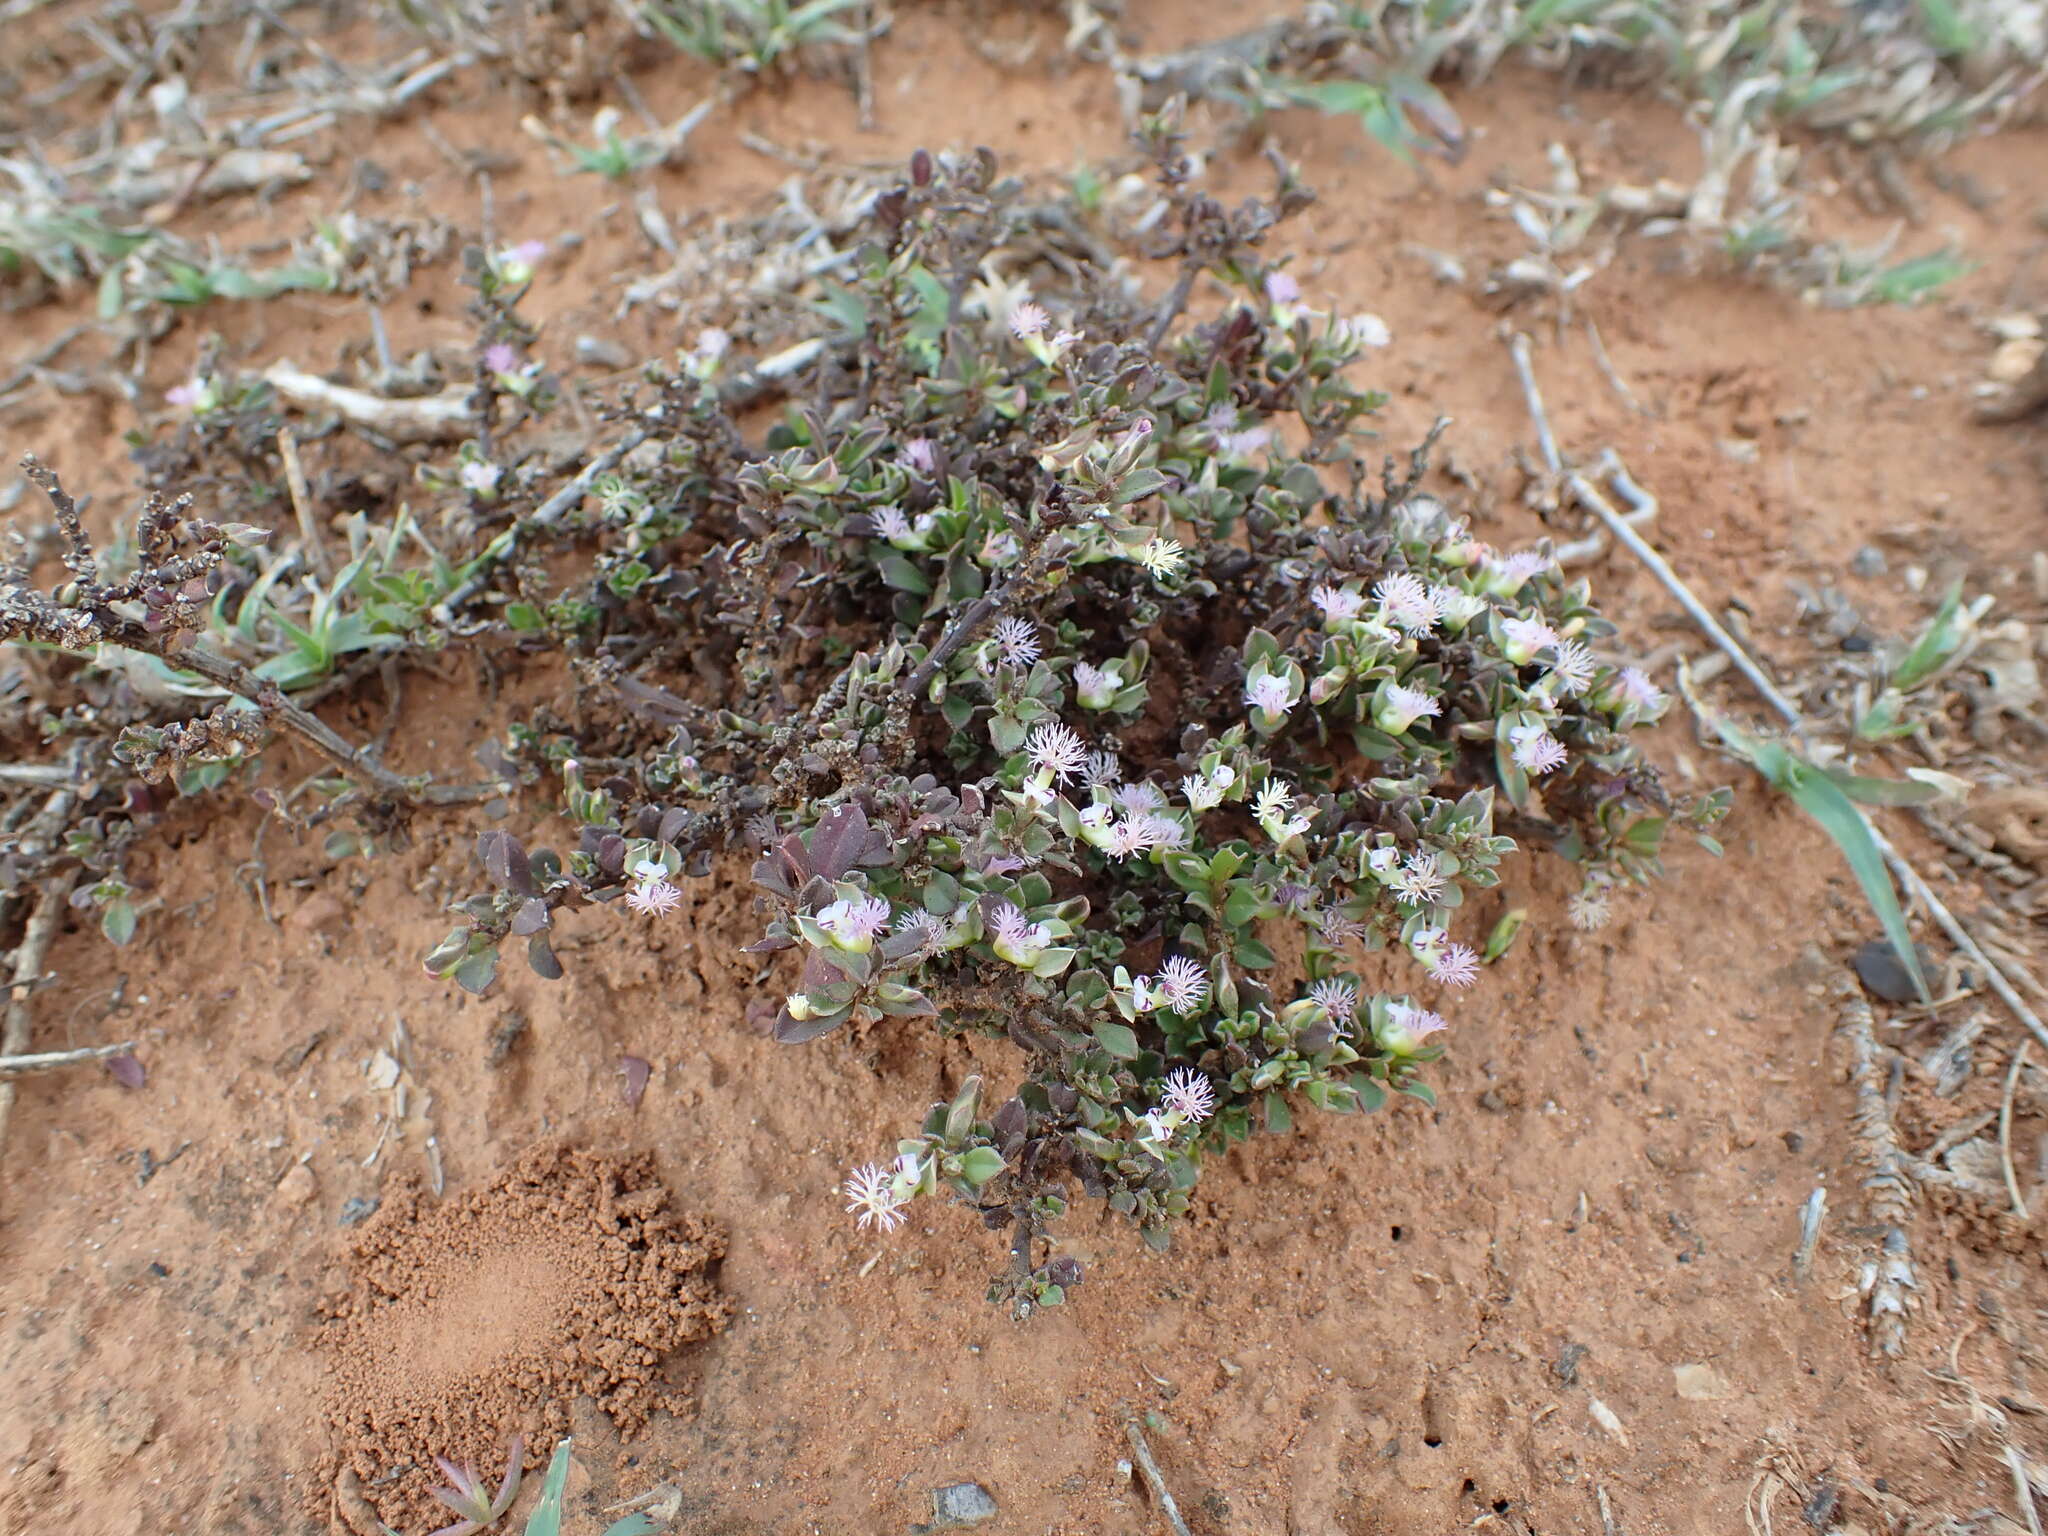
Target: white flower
pixel 1589 909
pixel 1382 861
pixel 650 869
pixel 1101 768
pixel 654 898
pixel 1421 879
pixel 1270 811
pixel 1187 1093
pixel 1056 751
pixel 890 523
pixel 1574 666
pixel 1094 688
pixel 1535 750
pixel 1027 320
pixel 1203 793
pixel 1242 445
pixel 1270 693
pixel 1340 605
pixel 1161 556
pixel 1407 604
pixel 870 1192
pixel 1366 330
pixel 1457 606
pixel 1158 1125
pixel 1017 640
pixel 1402 706
pixel 1508 574
pixel 1133 834
pixel 479 475
pixel 1182 985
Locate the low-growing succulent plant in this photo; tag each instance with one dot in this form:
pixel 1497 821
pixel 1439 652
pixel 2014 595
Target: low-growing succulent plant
pixel 1078 690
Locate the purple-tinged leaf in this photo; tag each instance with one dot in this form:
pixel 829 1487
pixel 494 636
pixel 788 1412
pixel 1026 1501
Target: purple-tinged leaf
pixel 635 1072
pixel 838 841
pixel 789 1031
pixel 532 917
pixel 127 1071
pixel 611 854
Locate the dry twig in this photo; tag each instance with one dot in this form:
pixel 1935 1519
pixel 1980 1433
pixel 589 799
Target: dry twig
pixel 2012 1078
pixel 50 1061
pixel 42 927
pixel 1154 1481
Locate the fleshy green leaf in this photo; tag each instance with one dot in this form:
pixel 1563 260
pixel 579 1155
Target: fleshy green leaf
pixel 546 1519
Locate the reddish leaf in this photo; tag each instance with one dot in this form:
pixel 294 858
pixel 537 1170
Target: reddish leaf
pixel 128 1072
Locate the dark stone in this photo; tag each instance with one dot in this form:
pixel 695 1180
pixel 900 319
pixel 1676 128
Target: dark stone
pixel 1884 975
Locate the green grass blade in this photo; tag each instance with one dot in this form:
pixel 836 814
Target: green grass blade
pixel 546 1519
pixel 1824 800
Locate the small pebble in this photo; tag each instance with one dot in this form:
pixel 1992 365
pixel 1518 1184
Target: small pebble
pixel 959 1504
pixel 1868 561
pixel 600 353
pixel 356 1209
pixel 297 1186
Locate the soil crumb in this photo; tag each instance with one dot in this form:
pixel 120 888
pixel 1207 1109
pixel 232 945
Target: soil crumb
pixel 483 1317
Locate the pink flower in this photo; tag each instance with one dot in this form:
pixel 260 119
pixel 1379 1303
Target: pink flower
pixel 500 357
pixel 1187 1093
pixel 1525 637
pixel 530 251
pixel 1027 320
pixel 1454 965
pixel 1281 288
pixel 1182 985
pixel 919 454
pixel 1339 604
pixel 1638 690
pixel 854 924
pixel 1339 999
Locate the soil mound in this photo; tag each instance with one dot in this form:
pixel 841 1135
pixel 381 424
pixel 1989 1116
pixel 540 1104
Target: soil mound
pixel 473 1320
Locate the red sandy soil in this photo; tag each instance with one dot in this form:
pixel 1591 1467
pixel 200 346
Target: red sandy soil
pixel 1398 1324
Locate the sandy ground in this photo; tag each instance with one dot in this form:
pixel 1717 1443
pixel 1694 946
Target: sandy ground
pixel 1479 1316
